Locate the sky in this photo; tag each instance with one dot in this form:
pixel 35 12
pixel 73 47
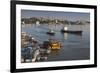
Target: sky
pixel 71 16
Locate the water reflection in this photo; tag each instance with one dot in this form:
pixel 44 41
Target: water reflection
pixel 65 35
pixel 55 52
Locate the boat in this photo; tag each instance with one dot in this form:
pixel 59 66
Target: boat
pixel 29 54
pixel 23 23
pixel 52 44
pixel 51 32
pixel 65 30
pixel 70 31
pixel 55 45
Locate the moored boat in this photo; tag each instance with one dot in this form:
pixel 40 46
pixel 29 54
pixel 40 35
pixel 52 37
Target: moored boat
pixel 65 30
pixel 52 44
pixel 51 32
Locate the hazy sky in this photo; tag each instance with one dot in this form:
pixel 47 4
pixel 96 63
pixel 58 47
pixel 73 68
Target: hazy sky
pixel 72 16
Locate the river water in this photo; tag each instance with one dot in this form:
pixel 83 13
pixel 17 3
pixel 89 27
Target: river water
pixel 75 47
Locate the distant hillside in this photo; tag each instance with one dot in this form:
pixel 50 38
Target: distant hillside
pixel 43 20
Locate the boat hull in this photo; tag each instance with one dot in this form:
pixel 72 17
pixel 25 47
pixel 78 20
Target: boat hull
pixel 70 31
pixel 50 33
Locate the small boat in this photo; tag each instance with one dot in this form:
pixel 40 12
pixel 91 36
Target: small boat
pixel 52 44
pixel 51 32
pixel 55 45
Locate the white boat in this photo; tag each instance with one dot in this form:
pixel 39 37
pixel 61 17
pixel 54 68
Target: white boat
pixel 23 23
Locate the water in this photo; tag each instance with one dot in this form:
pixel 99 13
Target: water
pixel 75 47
